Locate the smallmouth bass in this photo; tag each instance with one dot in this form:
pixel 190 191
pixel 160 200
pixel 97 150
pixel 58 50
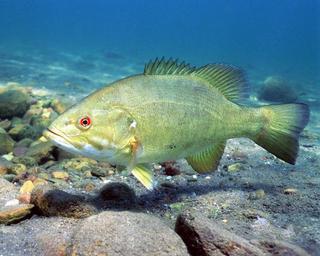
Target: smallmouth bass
pixel 173 111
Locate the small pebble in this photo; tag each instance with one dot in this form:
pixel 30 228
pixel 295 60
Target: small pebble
pixel 12 202
pixel 27 187
pixel 60 175
pixel 208 177
pixel 290 191
pixel 157 167
pixel 258 194
pixel 18 169
pixel 234 167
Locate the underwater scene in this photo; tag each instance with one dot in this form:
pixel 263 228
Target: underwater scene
pixel 178 127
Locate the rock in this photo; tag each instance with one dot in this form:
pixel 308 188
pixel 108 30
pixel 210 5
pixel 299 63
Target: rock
pixel 26 142
pixel 5 124
pixel 277 89
pixel 290 191
pixel 25 160
pixel 18 169
pixel 235 167
pixel 60 175
pixel 38 236
pixel 42 152
pixel 13 103
pixel 8 191
pixel 58 106
pixel 116 195
pixel 80 164
pixel 170 169
pixel 7 143
pixel 55 202
pixel 21 131
pixel 280 248
pixel 136 234
pixel 205 237
pixel 11 214
pixel 27 187
pixel 5 166
pixel 258 194
pixel 19 151
pixel 39 181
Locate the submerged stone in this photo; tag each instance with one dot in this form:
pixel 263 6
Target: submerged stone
pixel 7 143
pixel 13 103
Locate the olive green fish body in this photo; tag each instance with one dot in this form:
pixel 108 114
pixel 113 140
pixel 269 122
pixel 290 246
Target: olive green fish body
pixel 175 111
pixel 176 116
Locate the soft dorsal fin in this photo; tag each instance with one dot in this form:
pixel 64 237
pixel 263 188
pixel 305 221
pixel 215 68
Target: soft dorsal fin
pixel 229 80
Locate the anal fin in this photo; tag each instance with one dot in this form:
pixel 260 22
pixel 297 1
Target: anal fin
pixel 144 175
pixel 207 160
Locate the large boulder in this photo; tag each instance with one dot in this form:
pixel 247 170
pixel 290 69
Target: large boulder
pixel 206 237
pixel 13 103
pixel 126 233
pixel 277 89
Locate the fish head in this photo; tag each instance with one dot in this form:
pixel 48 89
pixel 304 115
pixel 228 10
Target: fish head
pixel 100 133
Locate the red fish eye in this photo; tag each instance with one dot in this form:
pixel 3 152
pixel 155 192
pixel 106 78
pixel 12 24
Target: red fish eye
pixel 85 122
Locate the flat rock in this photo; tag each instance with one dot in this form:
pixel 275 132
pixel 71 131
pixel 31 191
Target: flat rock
pixel 37 236
pixel 126 233
pixel 11 214
pixel 54 202
pixel 205 237
pixel 8 191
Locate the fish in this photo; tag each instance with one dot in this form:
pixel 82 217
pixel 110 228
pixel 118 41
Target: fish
pixel 175 111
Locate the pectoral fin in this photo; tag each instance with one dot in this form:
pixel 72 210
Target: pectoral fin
pixel 144 175
pixel 208 160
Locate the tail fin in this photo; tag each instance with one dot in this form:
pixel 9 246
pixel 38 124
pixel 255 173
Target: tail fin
pixel 280 135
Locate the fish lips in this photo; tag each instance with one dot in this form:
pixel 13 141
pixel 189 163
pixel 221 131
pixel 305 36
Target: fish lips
pixel 60 140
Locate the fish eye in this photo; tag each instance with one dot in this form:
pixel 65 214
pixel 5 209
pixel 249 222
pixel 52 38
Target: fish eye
pixel 85 122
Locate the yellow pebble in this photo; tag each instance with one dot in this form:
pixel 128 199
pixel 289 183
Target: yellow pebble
pixel 60 175
pixel 39 181
pixel 27 187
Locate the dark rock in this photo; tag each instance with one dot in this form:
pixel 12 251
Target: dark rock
pixel 116 195
pixel 5 166
pixel 21 131
pixel 26 160
pixel 26 142
pixel 276 89
pixel 42 152
pixel 13 103
pixel 7 143
pixel 54 202
pixel 205 237
pixel 170 169
pixel 126 233
pixel 12 214
pixel 280 248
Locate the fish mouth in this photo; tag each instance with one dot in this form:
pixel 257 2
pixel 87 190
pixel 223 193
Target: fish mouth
pixel 59 139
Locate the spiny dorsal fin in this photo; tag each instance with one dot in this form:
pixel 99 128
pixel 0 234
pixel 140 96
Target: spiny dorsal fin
pixel 167 67
pixel 229 80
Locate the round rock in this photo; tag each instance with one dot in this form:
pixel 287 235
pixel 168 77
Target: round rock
pixel 126 233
